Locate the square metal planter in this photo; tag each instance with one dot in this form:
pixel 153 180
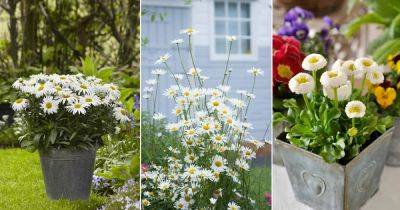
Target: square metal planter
pixel 325 186
pixel 393 158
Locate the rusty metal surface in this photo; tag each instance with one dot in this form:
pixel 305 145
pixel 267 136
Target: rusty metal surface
pixel 325 186
pixel 393 158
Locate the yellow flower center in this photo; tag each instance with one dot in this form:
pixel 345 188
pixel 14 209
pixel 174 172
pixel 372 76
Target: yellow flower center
pixel 355 109
pixel 124 112
pixel 77 106
pixel 352 67
pixel 215 103
pixel 314 60
pixel 89 100
pixel 367 63
pixel 48 105
pixel 19 101
pixel 332 74
pixel 375 75
pixel 218 138
pixel 284 71
pixel 229 120
pixel 301 80
pixel 191 170
pixel 218 163
pixel 83 86
pixel 206 127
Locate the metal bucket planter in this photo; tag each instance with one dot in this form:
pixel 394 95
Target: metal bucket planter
pixel 393 158
pixel 68 173
pixel 277 158
pixel 325 186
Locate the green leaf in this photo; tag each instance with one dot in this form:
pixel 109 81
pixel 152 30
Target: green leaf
pixel 381 128
pixel 278 118
pixel 89 67
pixel 368 18
pixel 391 47
pixel 126 93
pixel 135 165
pixel 301 130
pixel 395 27
pixel 52 136
pixel 105 73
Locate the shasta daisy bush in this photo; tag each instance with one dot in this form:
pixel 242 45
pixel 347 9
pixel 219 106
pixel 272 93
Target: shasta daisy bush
pixel 208 167
pixel 337 120
pixel 66 110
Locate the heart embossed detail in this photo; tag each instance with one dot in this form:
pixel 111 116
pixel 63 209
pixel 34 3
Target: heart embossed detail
pixel 314 183
pixel 365 177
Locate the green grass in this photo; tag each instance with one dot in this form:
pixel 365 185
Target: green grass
pixel 260 184
pixel 22 187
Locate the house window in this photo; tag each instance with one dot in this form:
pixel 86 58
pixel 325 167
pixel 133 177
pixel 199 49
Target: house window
pixel 232 18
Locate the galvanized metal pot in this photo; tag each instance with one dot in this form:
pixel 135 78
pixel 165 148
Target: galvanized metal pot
pixel 325 186
pixel 276 154
pixel 393 158
pixel 68 173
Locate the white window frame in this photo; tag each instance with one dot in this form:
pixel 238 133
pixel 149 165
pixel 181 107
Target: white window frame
pixel 214 56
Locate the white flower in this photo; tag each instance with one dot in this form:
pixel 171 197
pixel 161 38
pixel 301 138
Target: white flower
pixel 20 104
pixel 255 72
pixel 213 201
pixel 76 108
pixel 314 62
pixel 338 65
pixel 188 31
pixel 164 185
pixel 178 76
pixel 172 127
pixel 146 202
pixel 375 77
pixel 343 92
pixel 158 72
pixel 355 109
pixel 163 59
pixel 231 38
pixel 218 164
pixel 49 105
pixel 365 64
pixel 302 83
pixel 151 82
pixel 350 69
pixel 242 164
pixel 191 171
pixel 171 92
pixel 233 206
pixel 194 71
pixel 121 114
pixel 333 78
pixel 158 116
pixel 88 100
pixel 218 139
pixel 177 41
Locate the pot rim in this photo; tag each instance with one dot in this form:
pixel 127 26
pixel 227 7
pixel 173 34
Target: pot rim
pixel 353 161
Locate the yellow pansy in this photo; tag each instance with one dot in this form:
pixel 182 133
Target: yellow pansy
pixel 385 97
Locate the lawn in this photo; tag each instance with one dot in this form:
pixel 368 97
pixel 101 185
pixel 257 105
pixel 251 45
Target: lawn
pixel 22 187
pixel 260 184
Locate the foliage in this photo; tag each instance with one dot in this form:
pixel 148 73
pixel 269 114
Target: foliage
pixel 386 14
pixel 208 166
pixel 23 187
pixel 335 123
pixel 67 111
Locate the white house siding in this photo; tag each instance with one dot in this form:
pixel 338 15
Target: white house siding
pixel 199 15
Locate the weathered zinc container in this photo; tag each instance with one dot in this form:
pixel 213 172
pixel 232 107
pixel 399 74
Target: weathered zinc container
pixel 393 158
pixel 325 186
pixel 68 173
pixel 276 154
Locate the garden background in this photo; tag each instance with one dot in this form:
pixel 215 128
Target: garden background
pixel 93 37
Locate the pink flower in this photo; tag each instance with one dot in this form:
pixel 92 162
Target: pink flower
pixel 268 198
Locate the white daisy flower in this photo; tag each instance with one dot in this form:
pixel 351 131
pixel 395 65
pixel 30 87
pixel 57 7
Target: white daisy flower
pixel 355 109
pixel 18 84
pixel 49 105
pixel 151 82
pixel 188 31
pixel 163 59
pixel 343 92
pixel 181 204
pixel 164 185
pixel 255 72
pixel 177 41
pixel 242 164
pixel 158 72
pixel 248 153
pixel 233 206
pixel 88 100
pixel 365 64
pixel 218 163
pixel 333 78
pixel 231 38
pixel 121 114
pixel 194 71
pixel 314 62
pixel 237 102
pixel 20 104
pixel 191 172
pixel 213 201
pixel 146 202
pixel 178 76
pixel 338 65
pixel 171 92
pixel 302 83
pixel 158 116
pixel 191 158
pixel 172 127
pixel 218 139
pixel 375 76
pixel 76 108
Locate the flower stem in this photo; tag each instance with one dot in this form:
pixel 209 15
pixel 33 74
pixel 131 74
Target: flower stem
pixel 227 63
pixel 183 67
pixel 307 102
pixel 363 83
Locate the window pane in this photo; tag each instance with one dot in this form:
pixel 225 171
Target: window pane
pixel 245 10
pixel 245 46
pixel 219 9
pixel 232 9
pixel 232 28
pixel 235 48
pixel 220 45
pixel 245 28
pixel 220 27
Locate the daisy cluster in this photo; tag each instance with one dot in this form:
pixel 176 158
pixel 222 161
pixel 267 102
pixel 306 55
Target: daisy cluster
pixel 75 94
pixel 339 82
pixel 214 154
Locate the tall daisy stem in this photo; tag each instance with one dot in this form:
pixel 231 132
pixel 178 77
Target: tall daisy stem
pixel 336 97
